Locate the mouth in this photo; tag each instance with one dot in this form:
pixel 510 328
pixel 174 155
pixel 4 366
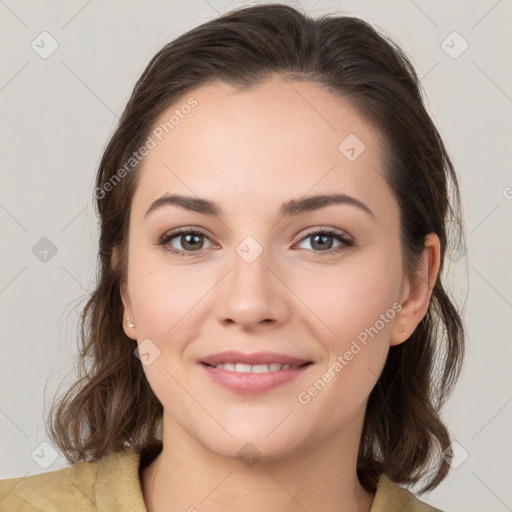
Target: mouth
pixel 258 360
pixel 253 373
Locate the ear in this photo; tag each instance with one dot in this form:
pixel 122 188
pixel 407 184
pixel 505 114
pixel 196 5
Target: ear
pixel 125 298
pixel 416 292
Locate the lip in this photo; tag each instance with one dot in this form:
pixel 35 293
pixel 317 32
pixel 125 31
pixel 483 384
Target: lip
pixel 232 356
pixel 252 382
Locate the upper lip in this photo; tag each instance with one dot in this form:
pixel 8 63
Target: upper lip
pixel 232 356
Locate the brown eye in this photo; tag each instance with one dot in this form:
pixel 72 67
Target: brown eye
pixel 184 241
pixel 190 241
pixel 322 242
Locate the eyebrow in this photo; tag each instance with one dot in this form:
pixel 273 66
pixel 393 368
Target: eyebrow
pixel 288 209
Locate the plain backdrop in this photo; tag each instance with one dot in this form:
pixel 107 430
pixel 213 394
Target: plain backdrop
pixel 58 111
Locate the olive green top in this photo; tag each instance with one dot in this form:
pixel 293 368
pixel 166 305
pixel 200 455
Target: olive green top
pixel 113 484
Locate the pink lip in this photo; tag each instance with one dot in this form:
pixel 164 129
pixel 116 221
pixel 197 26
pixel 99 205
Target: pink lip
pixel 232 356
pixel 252 382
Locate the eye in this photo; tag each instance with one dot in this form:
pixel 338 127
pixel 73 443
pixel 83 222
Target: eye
pixel 189 239
pixel 322 239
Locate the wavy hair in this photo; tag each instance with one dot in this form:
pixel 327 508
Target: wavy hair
pixel 111 406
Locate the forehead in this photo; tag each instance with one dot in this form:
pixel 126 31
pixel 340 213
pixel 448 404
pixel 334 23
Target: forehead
pixel 277 140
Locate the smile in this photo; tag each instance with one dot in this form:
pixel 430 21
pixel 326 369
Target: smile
pixel 250 379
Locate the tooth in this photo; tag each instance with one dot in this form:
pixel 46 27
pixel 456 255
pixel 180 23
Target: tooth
pixel 256 368
pixel 260 368
pixel 243 368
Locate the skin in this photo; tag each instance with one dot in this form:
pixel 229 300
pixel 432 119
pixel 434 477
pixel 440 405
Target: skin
pixel 249 152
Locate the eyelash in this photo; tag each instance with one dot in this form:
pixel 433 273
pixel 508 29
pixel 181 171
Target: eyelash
pixel 166 238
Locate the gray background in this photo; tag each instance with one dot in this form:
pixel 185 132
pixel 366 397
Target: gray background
pixel 57 114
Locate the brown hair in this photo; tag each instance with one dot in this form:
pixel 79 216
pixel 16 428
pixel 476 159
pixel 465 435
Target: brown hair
pixel 112 406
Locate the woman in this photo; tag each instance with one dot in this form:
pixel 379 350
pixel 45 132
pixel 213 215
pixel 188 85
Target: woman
pixel 269 329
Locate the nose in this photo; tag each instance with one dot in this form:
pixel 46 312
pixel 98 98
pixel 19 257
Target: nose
pixel 254 293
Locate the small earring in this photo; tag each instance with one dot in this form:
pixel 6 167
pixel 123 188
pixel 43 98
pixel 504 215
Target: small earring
pixel 129 324
pixel 402 332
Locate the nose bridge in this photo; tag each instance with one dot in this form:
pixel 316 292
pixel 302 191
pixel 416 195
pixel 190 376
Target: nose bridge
pixel 251 262
pixel 252 294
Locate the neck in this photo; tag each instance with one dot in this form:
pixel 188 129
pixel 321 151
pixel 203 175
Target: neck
pixel 188 477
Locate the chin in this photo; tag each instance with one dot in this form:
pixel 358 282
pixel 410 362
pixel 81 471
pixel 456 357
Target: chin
pixel 253 442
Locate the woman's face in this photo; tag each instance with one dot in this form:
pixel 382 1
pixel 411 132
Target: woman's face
pixel 260 276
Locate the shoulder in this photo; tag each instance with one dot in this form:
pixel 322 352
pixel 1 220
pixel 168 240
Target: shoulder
pixel 390 497
pixel 52 490
pixel 84 486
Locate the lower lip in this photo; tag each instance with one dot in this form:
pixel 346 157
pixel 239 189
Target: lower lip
pixel 252 382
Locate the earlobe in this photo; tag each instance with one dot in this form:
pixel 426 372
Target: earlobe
pixel 418 292
pixel 128 324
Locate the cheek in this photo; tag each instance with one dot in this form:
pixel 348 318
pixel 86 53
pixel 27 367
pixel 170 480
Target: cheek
pixel 351 297
pixel 353 308
pixel 162 295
